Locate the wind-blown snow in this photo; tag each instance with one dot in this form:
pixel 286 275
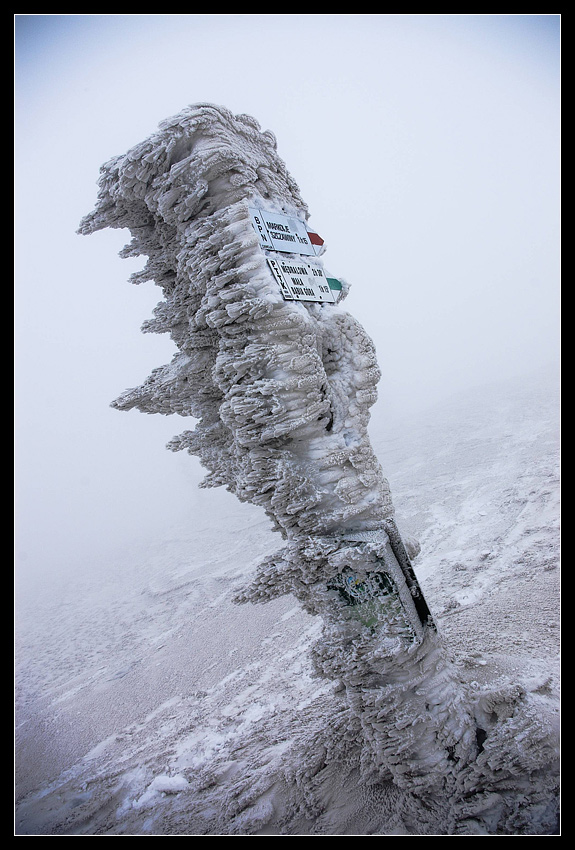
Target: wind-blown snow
pixel 282 391
pixel 149 703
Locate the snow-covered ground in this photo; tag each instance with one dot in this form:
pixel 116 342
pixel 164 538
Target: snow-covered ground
pixel 149 703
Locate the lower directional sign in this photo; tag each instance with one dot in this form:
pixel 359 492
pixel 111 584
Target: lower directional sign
pixel 303 281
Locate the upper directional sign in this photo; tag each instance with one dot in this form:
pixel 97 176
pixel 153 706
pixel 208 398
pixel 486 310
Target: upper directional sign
pixel 285 233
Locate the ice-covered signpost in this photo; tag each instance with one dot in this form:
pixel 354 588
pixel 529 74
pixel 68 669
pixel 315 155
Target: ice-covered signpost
pixel 280 379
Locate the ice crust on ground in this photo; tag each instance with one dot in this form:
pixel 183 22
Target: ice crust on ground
pixel 141 672
pixel 282 393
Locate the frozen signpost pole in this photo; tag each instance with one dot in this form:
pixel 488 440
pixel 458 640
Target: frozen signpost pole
pixel 280 380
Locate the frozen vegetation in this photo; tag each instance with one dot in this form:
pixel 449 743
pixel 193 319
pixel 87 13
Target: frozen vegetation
pixel 199 715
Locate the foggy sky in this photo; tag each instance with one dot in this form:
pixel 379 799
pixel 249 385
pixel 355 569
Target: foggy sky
pixel 427 150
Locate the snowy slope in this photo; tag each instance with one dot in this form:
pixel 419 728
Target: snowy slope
pixel 148 703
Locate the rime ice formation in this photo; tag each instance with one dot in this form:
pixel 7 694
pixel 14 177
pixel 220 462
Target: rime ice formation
pixel 281 391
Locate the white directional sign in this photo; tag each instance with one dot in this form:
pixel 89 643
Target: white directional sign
pixel 302 281
pixel 288 234
pixel 299 279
